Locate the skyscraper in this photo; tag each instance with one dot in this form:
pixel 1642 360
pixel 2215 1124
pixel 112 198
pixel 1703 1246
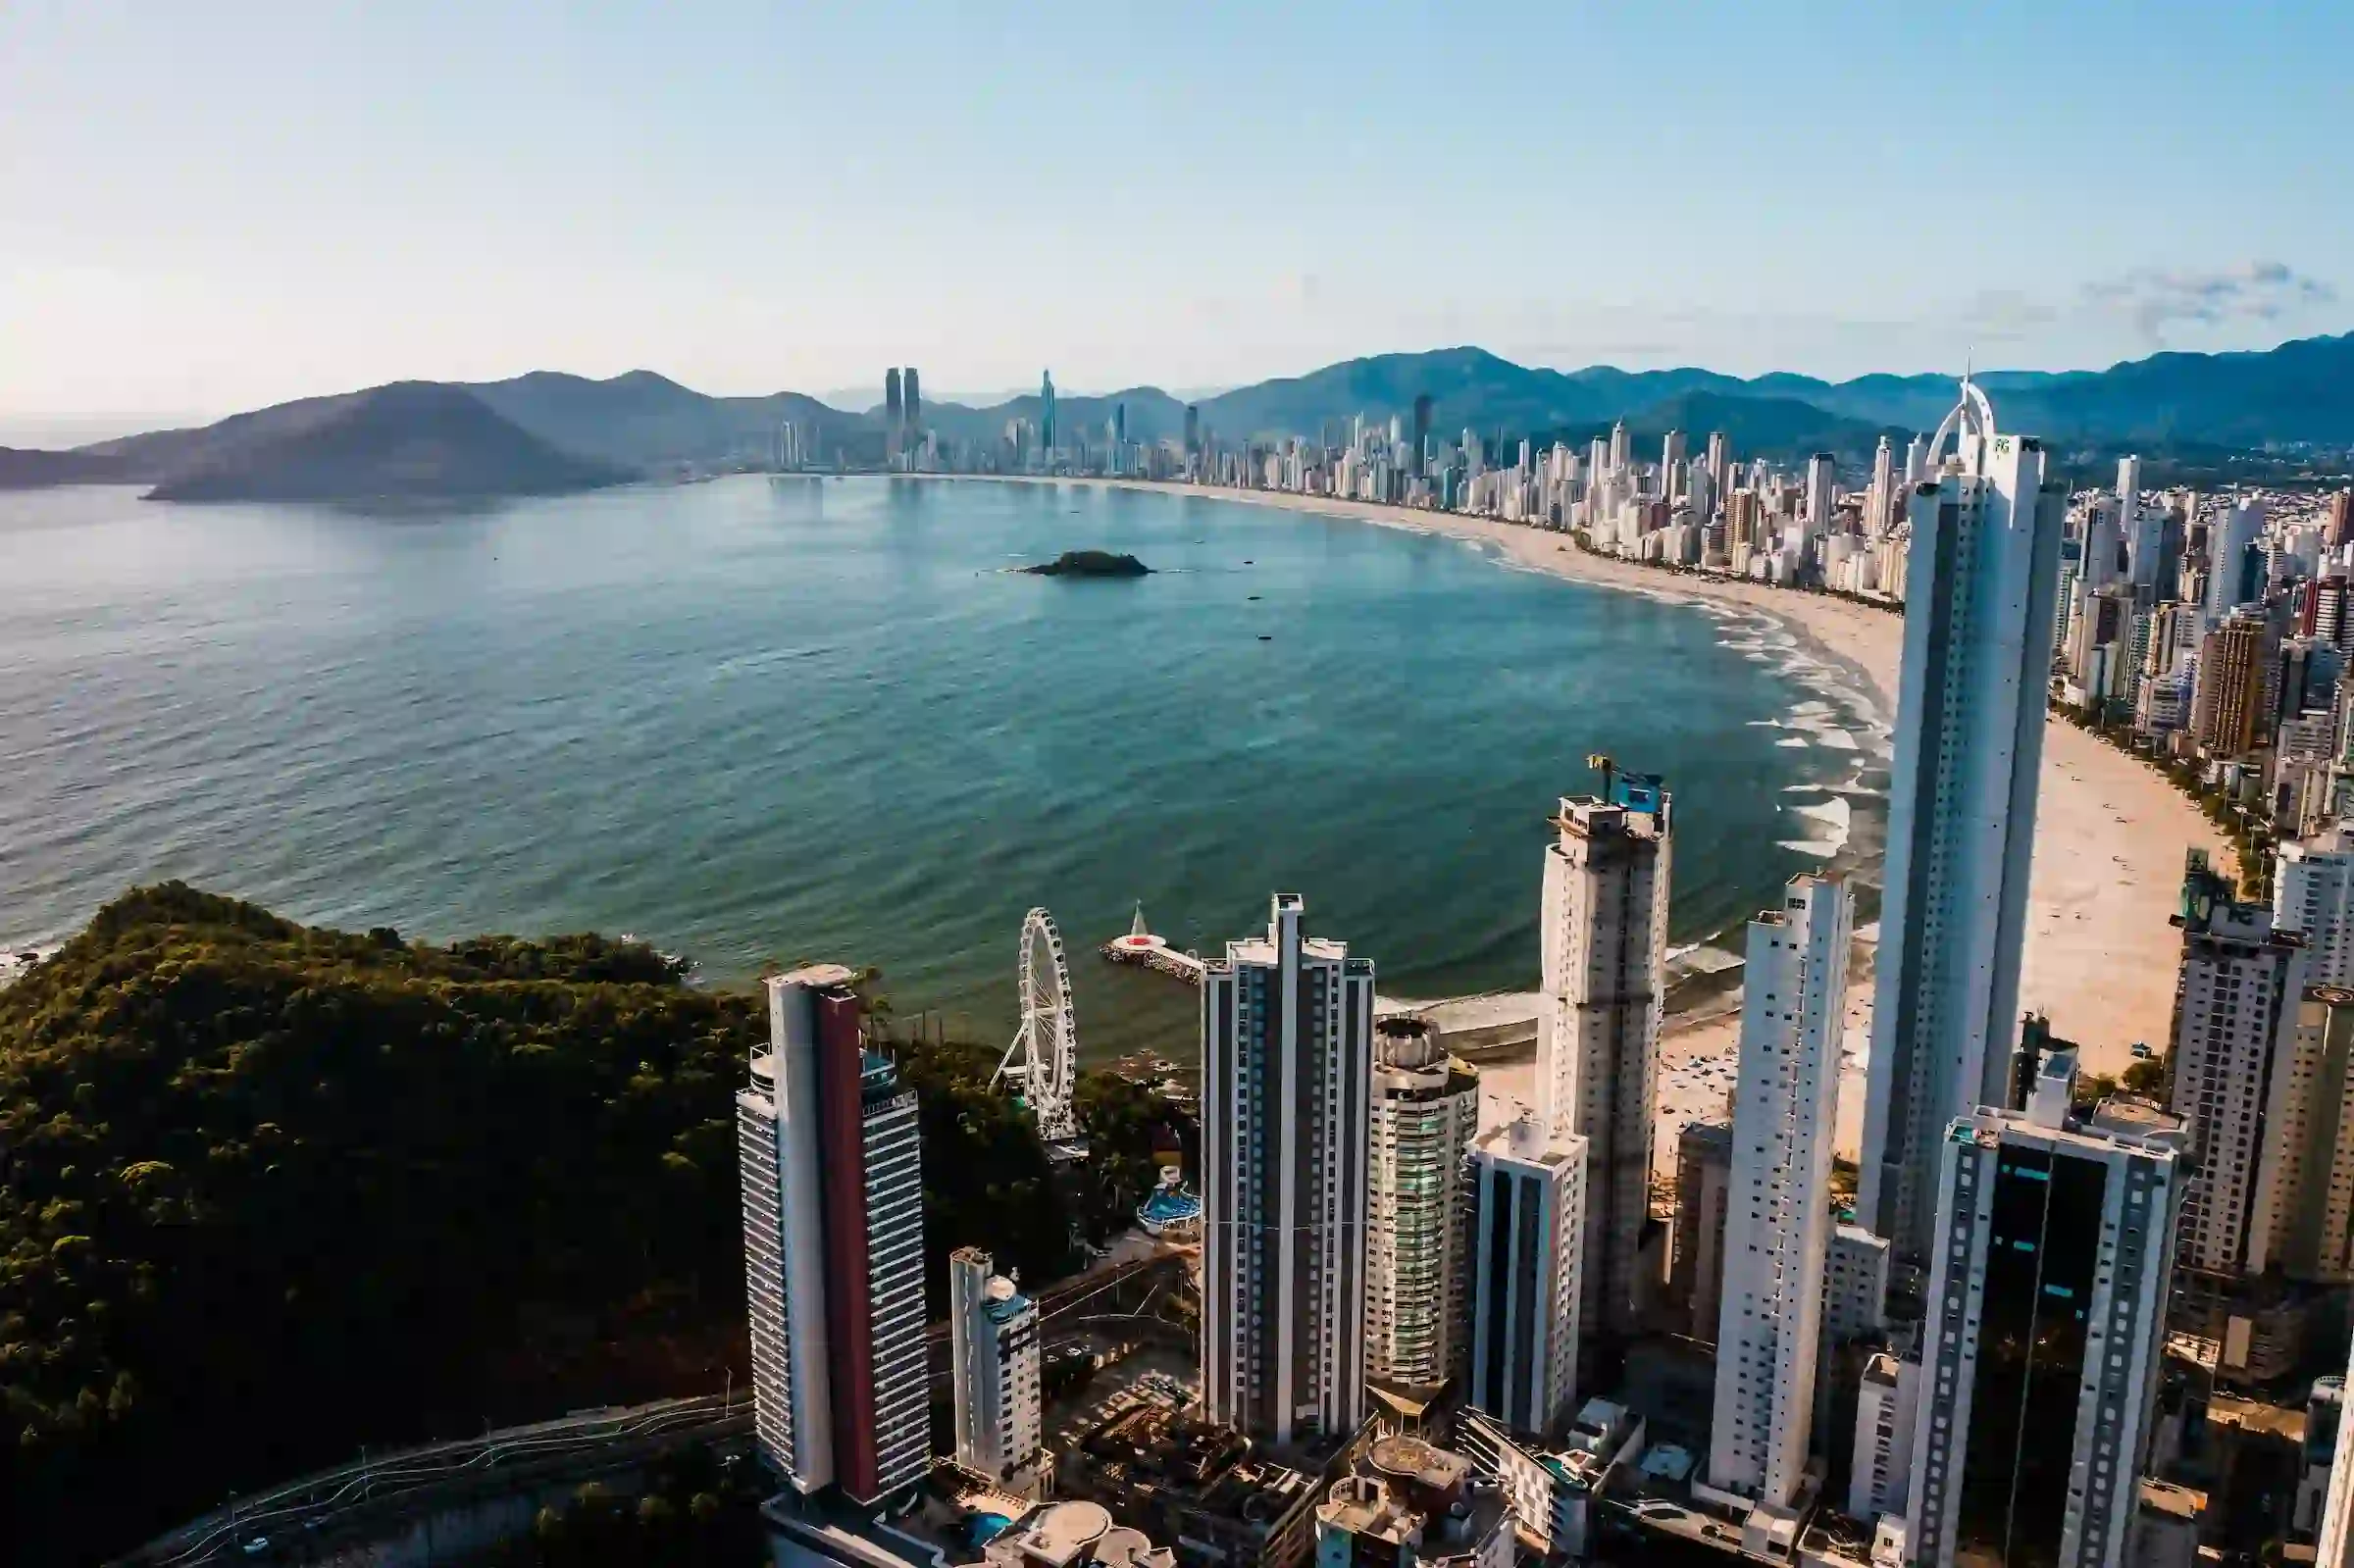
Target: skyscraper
pixel 2046 1326
pixel 2340 531
pixel 1425 1109
pixel 2234 1019
pixel 895 407
pixel 1192 430
pixel 1883 488
pixel 1704 1175
pixel 1671 462
pixel 2313 895
pixel 993 1351
pixel 1777 1232
pixel 1980 583
pixel 1720 463
pixel 1287 1049
pixel 833 1243
pixel 2304 1201
pixel 1047 434
pixel 914 425
pixel 1604 940
pixel 2227 700
pixel 1823 472
pixel 1421 432
pixel 2227 540
pixel 1528 1184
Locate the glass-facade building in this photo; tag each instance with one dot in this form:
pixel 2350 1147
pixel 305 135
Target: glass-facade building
pixel 2041 1352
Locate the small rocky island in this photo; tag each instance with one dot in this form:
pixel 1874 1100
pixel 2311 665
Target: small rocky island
pixel 1091 564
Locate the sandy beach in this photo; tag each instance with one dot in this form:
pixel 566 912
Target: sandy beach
pixel 2110 837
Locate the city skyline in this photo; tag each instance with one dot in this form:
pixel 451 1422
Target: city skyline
pixel 225 206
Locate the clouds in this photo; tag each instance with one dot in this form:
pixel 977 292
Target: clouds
pixel 2157 299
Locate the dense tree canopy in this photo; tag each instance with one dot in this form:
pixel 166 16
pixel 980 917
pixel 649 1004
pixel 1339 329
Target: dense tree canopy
pixel 269 1193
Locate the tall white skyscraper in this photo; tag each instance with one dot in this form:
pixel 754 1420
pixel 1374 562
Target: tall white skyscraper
pixel 1604 940
pixel 1883 488
pixel 1777 1230
pixel 1917 461
pixel 1527 1190
pixel 1425 1111
pixel 1981 576
pixel 993 1348
pixel 2235 1022
pixel 834 1248
pixel 2045 1332
pixel 2313 895
pixel 1621 453
pixel 1287 1053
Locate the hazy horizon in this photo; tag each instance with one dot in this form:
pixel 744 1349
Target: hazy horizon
pixel 38 428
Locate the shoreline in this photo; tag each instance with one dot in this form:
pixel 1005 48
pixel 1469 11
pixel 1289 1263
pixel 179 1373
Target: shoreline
pixel 2110 835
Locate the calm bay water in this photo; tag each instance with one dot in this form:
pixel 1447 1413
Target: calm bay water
pixel 754 721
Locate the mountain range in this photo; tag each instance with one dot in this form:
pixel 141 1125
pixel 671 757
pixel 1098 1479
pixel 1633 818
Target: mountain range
pixel 552 432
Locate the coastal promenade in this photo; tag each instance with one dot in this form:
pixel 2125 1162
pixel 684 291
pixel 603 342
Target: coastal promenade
pixel 2110 832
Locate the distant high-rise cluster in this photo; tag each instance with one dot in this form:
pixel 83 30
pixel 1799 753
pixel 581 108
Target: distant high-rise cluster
pixel 903 415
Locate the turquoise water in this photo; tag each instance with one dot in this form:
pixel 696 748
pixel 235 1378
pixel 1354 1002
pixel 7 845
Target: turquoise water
pixel 750 721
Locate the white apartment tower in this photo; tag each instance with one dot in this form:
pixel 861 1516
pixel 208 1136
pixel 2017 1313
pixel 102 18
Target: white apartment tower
pixel 1287 1051
pixel 1887 1405
pixel 1777 1230
pixel 2235 1018
pixel 1425 1112
pixel 2304 1204
pixel 2042 1347
pixel 834 1248
pixel 2313 895
pixel 1981 576
pixel 1527 1184
pixel 1605 944
pixel 993 1348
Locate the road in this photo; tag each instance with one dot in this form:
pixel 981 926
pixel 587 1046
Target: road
pixel 322 1499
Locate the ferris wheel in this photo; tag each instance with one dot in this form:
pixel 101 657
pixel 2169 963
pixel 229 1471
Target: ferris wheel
pixel 1047 1040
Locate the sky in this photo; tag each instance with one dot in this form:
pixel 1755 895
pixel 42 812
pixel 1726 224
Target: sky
pixel 206 208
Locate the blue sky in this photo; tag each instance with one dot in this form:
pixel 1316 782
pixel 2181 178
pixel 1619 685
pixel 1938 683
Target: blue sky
pixel 204 207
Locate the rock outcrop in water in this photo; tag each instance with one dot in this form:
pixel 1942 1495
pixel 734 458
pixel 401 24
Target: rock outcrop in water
pixel 1091 564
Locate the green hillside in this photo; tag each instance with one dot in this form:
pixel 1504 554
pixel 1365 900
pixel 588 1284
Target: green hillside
pixel 269 1193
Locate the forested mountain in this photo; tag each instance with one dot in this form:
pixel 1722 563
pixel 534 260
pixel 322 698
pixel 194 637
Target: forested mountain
pixel 410 440
pixel 644 423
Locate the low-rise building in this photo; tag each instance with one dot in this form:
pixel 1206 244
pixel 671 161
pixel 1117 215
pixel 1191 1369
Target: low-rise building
pixel 1408 1503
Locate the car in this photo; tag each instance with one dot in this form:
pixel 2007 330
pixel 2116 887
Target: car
pixel 255 1546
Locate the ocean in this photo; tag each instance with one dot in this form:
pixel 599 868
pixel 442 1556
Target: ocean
pixel 761 721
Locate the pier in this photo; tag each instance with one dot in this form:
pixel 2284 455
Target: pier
pixel 1141 947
